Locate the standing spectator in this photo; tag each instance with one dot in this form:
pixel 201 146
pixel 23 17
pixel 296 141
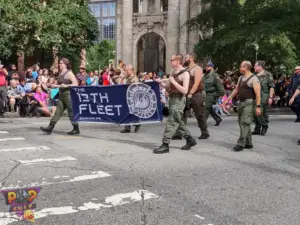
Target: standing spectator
pixel 92 80
pixel 13 71
pixel 116 78
pixel 106 77
pixel 34 73
pixel 82 76
pixel 3 89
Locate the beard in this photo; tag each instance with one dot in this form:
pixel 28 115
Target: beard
pixel 186 63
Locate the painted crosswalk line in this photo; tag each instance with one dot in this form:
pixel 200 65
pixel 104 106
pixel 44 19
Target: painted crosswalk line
pixel 112 201
pixel 35 161
pixel 3 132
pixel 37 148
pixel 91 176
pixel 12 139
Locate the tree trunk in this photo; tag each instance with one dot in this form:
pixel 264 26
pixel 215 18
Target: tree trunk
pixel 20 65
pixel 54 67
pixel 83 58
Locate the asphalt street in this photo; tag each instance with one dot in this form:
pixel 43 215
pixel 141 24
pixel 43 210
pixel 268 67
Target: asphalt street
pixel 104 177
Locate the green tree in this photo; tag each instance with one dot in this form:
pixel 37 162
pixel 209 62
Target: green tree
pixel 235 27
pixel 27 25
pixel 99 55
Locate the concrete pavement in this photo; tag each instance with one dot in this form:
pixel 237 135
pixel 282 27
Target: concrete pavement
pixel 104 177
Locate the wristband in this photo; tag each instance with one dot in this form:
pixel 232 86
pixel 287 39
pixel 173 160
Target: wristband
pixel 258 106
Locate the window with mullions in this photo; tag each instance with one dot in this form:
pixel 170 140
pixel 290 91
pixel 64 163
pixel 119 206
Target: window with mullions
pixel 109 28
pixel 105 13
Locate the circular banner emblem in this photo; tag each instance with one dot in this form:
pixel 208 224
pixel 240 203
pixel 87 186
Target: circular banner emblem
pixel 141 100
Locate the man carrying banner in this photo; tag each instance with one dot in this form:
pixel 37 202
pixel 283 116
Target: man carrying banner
pixel 178 85
pixel 130 79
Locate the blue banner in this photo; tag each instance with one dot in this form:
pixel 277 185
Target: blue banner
pixel 120 104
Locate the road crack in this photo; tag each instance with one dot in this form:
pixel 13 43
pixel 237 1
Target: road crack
pixel 143 216
pixel 3 181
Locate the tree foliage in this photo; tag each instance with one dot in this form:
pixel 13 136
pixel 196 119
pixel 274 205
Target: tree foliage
pixel 234 27
pixel 27 25
pixel 99 55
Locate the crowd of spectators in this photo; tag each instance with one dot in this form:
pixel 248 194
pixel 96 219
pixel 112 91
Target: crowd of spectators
pixel 31 94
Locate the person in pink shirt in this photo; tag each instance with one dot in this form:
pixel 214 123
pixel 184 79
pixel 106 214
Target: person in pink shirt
pixel 41 97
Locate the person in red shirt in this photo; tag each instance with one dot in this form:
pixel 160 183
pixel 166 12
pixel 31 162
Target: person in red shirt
pixel 106 77
pixel 3 89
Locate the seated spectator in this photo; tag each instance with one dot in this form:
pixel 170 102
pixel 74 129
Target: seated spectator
pixel 14 95
pixel 29 77
pixel 41 99
pixel 53 95
pixel 92 80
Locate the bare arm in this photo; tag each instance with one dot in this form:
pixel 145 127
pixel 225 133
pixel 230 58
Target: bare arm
pixel 256 87
pixel 197 79
pixel 73 80
pixel 165 83
pixel 186 80
pixel 271 92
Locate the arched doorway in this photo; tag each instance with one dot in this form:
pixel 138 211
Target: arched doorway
pixel 151 52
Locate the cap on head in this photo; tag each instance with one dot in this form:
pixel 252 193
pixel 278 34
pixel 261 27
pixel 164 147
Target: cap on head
pixel 210 64
pixel 297 68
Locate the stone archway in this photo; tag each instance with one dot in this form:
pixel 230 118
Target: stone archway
pixel 151 52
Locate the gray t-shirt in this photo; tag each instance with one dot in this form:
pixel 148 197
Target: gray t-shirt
pixel 250 82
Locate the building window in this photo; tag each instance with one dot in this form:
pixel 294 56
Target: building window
pixel 109 28
pixel 164 5
pixel 105 13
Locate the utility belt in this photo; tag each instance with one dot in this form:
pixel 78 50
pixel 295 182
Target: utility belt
pixel 178 95
pixel 247 100
pixel 210 92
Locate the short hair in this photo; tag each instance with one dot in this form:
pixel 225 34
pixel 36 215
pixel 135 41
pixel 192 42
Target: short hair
pixel 261 63
pixel 12 81
pixel 118 72
pixel 193 55
pixel 248 64
pixel 130 67
pixel 179 57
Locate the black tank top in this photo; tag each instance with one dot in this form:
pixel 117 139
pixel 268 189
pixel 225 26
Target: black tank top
pixel 62 80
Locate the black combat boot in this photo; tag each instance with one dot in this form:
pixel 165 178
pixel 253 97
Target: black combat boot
pixel 164 148
pixel 190 142
pixel 75 130
pixel 218 122
pixel 48 130
pixel 256 131
pixel 264 130
pixel 204 136
pixel 298 142
pixel 137 128
pixel 176 137
pixel 237 148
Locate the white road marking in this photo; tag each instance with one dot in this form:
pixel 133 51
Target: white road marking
pixel 38 148
pixel 200 217
pixel 35 161
pixel 92 176
pixel 3 132
pixel 112 201
pixel 13 139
